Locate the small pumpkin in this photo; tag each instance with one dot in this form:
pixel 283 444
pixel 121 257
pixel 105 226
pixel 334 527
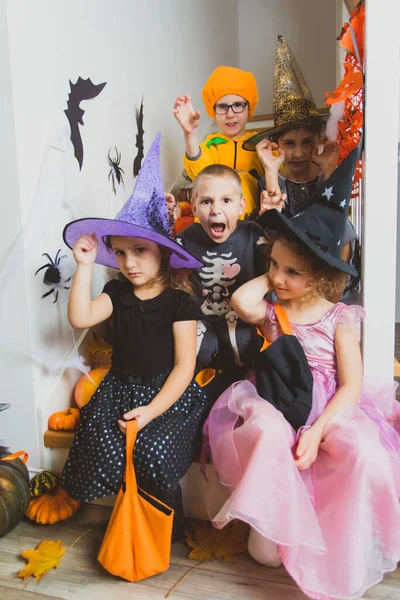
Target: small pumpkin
pixel 85 389
pixel 14 489
pixel 42 482
pixel 52 507
pixel 67 419
pixel 185 218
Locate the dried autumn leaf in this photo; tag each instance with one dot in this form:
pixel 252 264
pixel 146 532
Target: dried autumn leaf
pixel 99 346
pixel 209 543
pixel 46 556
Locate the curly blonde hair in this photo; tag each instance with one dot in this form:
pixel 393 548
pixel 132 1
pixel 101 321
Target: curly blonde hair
pixel 325 281
pixel 175 279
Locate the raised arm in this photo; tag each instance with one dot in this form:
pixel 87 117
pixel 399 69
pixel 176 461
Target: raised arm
pixel 188 119
pixel 271 158
pixel 185 339
pixel 82 310
pixel 328 158
pixel 248 301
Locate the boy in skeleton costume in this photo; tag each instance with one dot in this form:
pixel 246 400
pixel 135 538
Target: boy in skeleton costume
pixel 232 253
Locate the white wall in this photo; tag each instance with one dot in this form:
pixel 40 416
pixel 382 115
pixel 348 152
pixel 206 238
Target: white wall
pixel 309 27
pixel 380 189
pixel 398 226
pixel 157 49
pixel 398 247
pixel 15 371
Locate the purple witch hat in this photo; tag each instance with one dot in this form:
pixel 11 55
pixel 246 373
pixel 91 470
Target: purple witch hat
pixel 144 216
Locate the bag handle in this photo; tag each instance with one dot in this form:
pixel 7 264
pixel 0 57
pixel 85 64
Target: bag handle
pixel 17 455
pixel 129 475
pixel 283 322
pixel 283 319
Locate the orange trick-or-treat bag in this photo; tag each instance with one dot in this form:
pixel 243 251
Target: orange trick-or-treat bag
pixel 137 543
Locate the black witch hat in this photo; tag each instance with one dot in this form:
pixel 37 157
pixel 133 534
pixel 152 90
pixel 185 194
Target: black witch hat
pixel 321 226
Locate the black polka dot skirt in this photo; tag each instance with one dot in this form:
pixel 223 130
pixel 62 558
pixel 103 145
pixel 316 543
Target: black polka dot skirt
pixel 163 451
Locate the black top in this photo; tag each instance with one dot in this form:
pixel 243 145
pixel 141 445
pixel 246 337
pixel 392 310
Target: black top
pixel 143 342
pixel 298 194
pixel 227 266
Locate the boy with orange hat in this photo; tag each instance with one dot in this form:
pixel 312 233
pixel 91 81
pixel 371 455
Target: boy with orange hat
pixel 230 96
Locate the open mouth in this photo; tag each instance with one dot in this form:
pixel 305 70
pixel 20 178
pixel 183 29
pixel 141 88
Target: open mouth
pixel 218 229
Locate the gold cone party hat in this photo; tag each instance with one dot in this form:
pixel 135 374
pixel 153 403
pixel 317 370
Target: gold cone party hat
pixel 293 102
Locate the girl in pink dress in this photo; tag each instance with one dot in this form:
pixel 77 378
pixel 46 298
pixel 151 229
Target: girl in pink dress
pixel 323 500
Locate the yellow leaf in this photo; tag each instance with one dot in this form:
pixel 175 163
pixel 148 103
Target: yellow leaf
pixel 209 543
pixel 46 556
pixel 99 346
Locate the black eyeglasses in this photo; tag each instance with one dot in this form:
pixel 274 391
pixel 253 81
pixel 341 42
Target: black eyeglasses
pixel 237 107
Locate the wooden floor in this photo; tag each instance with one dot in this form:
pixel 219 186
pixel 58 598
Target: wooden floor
pixel 80 576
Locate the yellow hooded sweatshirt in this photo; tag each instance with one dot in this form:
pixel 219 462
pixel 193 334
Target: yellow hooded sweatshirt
pixel 219 149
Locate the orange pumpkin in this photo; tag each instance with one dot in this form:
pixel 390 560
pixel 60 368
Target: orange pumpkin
pixel 185 209
pixel 65 420
pixel 51 507
pixel 85 389
pixel 186 217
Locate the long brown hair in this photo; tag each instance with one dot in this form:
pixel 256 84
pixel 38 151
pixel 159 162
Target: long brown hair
pixel 175 279
pixel 325 281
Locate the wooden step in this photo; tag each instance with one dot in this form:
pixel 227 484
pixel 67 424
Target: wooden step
pixel 63 439
pixel 58 439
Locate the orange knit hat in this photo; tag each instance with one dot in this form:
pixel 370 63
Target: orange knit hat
pixel 228 80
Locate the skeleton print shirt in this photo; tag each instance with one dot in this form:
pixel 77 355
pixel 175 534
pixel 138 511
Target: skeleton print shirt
pixel 227 266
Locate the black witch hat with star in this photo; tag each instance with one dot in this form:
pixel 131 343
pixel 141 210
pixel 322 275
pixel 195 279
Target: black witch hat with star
pixel 321 226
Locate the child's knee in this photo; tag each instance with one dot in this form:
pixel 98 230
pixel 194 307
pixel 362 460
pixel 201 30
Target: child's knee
pixel 357 444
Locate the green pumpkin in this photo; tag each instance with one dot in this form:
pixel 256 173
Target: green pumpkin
pixel 45 481
pixel 14 491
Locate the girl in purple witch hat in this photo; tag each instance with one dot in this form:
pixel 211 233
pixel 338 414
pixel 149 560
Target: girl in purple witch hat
pixel 154 350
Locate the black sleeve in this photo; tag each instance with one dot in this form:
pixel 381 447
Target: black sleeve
pixel 113 289
pixel 185 308
pixel 260 249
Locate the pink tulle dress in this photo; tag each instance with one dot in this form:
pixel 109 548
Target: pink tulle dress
pixel 337 524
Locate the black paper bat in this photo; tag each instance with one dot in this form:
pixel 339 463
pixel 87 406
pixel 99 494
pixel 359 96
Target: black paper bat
pixel 83 89
pixel 137 163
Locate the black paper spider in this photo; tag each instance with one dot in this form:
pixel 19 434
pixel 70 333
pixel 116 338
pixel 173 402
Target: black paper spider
pixel 53 276
pixel 115 174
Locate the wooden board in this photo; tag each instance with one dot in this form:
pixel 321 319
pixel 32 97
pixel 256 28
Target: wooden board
pixel 58 439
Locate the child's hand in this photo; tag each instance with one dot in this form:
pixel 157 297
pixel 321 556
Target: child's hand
pixel 307 448
pixel 272 199
pixel 85 249
pixel 270 155
pixel 187 117
pixel 171 204
pixel 143 416
pixel 326 156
